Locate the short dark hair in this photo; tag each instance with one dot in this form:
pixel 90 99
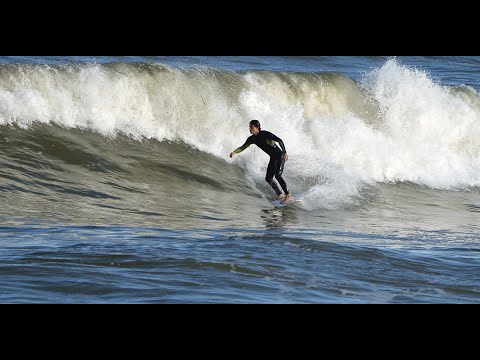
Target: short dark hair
pixel 255 123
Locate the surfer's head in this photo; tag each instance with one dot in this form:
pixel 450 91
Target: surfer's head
pixel 254 127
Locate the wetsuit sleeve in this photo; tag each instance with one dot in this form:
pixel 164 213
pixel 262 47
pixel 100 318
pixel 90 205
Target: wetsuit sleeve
pixel 243 147
pixel 278 140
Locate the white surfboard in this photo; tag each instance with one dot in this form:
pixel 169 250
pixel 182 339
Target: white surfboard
pixel 279 204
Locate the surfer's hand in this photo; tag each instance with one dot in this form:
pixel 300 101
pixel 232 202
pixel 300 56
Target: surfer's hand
pixel 286 157
pixel 231 154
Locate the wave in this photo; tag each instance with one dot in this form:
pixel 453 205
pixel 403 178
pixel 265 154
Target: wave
pixel 396 124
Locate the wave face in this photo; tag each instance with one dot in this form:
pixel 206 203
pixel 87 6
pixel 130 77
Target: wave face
pixel 396 124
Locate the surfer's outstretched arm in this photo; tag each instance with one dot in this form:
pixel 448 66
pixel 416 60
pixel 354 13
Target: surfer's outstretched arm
pixel 241 148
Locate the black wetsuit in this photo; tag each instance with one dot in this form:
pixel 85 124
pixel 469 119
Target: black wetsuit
pixel 265 140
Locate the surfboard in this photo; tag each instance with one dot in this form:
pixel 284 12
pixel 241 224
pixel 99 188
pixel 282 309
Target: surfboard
pixel 279 204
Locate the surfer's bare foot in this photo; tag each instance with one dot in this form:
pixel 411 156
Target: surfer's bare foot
pixel 278 197
pixel 288 198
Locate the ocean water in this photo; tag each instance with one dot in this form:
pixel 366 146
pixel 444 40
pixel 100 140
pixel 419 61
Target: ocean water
pixel 116 185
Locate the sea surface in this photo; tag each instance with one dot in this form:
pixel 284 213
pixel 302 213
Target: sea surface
pixel 116 185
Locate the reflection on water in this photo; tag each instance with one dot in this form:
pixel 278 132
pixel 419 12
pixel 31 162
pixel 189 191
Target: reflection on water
pixel 275 218
pixel 473 207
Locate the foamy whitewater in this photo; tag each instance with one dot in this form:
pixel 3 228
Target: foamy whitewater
pixel 115 176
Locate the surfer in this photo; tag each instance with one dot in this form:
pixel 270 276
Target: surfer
pixel 265 140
